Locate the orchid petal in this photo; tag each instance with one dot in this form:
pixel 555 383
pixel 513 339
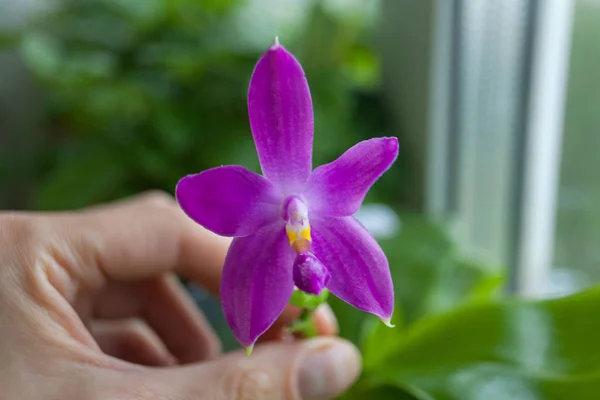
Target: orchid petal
pixel 257 282
pixel 230 200
pixel 281 118
pixel 339 188
pixel 360 273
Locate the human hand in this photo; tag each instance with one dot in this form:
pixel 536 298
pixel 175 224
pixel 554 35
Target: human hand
pixel 90 309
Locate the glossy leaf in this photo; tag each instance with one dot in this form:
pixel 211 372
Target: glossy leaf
pixel 380 393
pixel 518 350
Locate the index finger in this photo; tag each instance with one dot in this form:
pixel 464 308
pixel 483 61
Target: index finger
pixel 145 236
pixel 142 237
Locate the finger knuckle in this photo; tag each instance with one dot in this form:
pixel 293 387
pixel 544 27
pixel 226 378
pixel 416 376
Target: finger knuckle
pixel 158 198
pixel 249 382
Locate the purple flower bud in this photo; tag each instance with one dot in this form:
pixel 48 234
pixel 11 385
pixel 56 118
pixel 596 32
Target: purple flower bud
pixel 310 275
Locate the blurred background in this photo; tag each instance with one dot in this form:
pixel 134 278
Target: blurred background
pixel 496 103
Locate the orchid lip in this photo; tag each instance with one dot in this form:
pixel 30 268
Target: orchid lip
pixel 310 275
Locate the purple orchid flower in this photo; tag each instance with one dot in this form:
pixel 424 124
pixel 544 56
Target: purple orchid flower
pixel 293 227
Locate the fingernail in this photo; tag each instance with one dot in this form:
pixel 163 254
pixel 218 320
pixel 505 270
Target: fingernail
pixel 328 369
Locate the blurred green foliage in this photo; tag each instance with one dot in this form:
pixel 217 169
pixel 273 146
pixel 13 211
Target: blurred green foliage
pixel 141 93
pixel 518 350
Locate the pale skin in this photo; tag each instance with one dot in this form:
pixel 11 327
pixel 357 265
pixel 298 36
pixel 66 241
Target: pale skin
pixel 90 308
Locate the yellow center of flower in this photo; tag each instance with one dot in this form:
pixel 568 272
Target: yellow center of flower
pixel 297 226
pixel 299 238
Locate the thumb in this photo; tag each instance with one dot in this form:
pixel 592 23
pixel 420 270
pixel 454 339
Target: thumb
pixel 314 369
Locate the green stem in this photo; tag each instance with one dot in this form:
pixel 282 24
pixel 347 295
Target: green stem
pixel 305 324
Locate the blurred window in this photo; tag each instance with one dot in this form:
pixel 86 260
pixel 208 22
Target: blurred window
pixel 577 247
pixel 513 131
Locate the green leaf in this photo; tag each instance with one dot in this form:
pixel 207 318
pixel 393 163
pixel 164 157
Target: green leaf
pixel 379 340
pixel 379 393
pixel 519 350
